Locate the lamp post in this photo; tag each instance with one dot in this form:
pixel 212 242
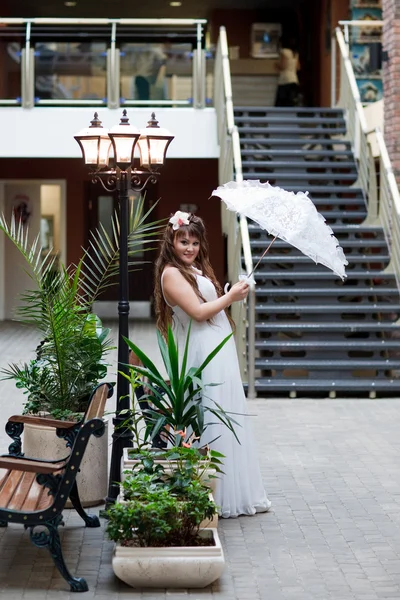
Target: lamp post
pixel 96 143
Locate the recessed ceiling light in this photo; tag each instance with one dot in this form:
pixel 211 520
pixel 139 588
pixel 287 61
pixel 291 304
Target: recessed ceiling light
pixel 70 3
pixel 175 3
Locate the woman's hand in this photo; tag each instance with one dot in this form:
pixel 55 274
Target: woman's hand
pixel 239 291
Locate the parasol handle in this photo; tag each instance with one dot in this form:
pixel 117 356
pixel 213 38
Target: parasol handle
pixel 262 256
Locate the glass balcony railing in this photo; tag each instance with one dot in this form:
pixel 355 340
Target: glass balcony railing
pixel 103 62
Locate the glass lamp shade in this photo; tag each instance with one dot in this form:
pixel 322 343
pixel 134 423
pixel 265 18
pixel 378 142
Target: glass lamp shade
pixel 94 144
pixel 123 138
pixel 153 145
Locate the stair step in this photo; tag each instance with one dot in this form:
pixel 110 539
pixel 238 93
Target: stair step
pixel 344 345
pixel 358 243
pixel 301 258
pixel 338 229
pixel 342 290
pixel 344 214
pixel 289 120
pixel 289 109
pixel 331 364
pixel 317 385
pixel 289 144
pixel 300 154
pixel 282 176
pixel 293 131
pixel 283 164
pixel 331 190
pixel 335 201
pixel 340 307
pixel 330 327
pixel 323 273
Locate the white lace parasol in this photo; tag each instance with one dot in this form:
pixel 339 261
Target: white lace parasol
pixel 289 216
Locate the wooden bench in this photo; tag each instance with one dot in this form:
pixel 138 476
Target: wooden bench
pixel 34 492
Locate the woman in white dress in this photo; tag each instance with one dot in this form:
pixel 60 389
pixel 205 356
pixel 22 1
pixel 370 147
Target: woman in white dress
pixel 186 290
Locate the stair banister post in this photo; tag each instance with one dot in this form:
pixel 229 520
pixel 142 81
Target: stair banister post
pixel 333 70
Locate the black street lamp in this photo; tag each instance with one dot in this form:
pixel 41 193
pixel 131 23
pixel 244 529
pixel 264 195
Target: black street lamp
pixel 96 143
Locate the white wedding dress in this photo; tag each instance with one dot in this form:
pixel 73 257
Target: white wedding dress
pixel 239 490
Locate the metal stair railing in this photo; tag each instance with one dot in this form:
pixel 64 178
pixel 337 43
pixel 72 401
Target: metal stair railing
pixel 350 101
pixel 230 167
pixel 383 203
pixel 389 206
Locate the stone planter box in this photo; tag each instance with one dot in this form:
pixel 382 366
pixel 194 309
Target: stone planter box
pixel 128 464
pixel 42 442
pixel 173 567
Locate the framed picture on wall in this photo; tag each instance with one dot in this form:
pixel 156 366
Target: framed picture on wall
pixel 366 33
pixel 366 3
pixel 370 89
pixel 366 59
pixel 265 39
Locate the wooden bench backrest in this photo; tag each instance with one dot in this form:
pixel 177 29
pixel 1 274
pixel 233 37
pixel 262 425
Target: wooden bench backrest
pixel 98 402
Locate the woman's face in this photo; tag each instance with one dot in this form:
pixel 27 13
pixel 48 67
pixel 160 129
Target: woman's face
pixel 187 248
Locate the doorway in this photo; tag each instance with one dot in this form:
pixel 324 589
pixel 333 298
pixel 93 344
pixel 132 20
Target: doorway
pixel 40 207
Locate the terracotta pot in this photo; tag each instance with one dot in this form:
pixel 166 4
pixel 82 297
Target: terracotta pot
pixel 172 567
pixel 40 441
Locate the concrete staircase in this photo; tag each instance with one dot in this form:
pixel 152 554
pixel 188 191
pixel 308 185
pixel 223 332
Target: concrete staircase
pixel 315 334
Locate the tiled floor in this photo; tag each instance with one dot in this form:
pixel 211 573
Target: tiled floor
pixel 332 471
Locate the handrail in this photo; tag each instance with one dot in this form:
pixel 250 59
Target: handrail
pixel 350 101
pixel 366 23
pixel 96 21
pixel 389 206
pixel 230 166
pixel 383 205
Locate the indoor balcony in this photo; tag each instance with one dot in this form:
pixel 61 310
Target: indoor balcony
pixel 56 72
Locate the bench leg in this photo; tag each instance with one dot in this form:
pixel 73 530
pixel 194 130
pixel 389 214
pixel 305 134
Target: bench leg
pixel 90 520
pixel 51 539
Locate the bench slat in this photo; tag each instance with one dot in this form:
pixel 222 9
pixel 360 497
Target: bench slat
pixel 21 492
pixel 3 477
pixel 9 487
pixel 33 497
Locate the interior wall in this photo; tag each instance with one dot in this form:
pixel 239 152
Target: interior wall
pixel 73 171
pixel 238 24
pixel 330 12
pixel 187 181
pixel 182 181
pixel 2 258
pixel 16 279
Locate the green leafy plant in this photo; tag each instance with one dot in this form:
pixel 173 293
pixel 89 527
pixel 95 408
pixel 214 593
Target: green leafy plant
pixel 70 360
pixel 179 465
pixel 156 514
pixel 177 406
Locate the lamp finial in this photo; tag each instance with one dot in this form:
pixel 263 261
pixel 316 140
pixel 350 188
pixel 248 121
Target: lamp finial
pixel 153 121
pixel 124 119
pixel 95 122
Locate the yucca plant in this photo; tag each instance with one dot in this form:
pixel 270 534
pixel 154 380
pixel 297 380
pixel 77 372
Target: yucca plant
pixel 177 407
pixel 71 357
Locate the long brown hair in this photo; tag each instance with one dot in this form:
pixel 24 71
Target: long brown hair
pixel 167 256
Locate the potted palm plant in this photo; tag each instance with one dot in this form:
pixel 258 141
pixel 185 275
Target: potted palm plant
pixel 162 529
pixel 70 360
pixel 175 407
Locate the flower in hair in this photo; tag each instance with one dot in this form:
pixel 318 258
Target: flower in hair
pixel 180 218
